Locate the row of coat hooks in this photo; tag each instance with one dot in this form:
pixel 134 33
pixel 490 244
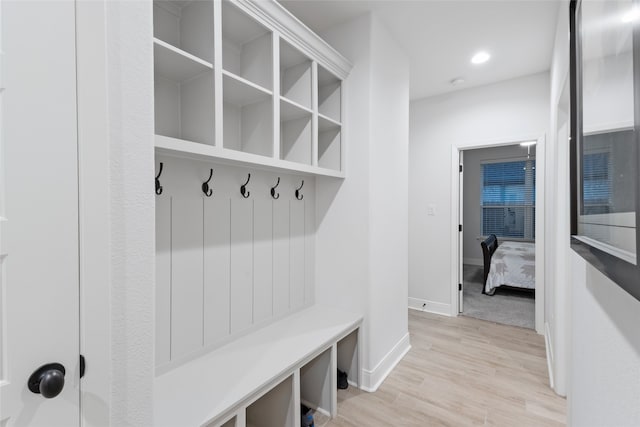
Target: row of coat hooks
pixel 208 191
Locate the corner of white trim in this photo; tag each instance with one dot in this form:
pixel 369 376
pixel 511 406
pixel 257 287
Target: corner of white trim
pixel 430 306
pixel 549 348
pixel 372 379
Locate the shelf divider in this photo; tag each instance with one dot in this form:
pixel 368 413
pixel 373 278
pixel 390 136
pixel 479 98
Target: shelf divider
pixel 314 117
pixel 241 91
pixel 193 150
pixel 217 74
pixel 291 110
pixel 276 90
pixel 327 123
pixel 176 64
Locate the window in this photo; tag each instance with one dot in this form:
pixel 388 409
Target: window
pixel 508 199
pixel 596 183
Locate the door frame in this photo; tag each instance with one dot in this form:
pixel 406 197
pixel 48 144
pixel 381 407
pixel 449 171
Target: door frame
pixel 94 212
pixel 117 210
pixel 456 191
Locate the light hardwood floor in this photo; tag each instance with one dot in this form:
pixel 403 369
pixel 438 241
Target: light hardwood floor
pixel 460 371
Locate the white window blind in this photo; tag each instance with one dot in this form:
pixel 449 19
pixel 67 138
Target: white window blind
pixel 508 201
pixel 596 183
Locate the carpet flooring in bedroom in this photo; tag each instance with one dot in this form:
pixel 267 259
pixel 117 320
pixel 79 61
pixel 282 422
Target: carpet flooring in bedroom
pixel 507 306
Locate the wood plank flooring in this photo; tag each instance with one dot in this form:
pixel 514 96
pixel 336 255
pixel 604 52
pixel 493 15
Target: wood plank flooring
pixel 460 371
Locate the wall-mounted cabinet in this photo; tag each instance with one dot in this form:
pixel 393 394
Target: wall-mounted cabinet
pixel 245 85
pixel 250 84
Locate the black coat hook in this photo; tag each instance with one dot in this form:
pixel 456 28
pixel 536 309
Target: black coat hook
pixel 273 190
pixel 205 185
pixel 243 188
pixel 298 195
pixel 158 186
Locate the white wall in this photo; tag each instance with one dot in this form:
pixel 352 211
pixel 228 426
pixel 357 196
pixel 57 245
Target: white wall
pixel 604 384
pixel 513 110
pixel 388 187
pixel 603 354
pixel 362 227
pixel 342 238
pixel 472 213
pixel 130 100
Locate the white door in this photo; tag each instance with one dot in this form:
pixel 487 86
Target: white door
pixel 39 214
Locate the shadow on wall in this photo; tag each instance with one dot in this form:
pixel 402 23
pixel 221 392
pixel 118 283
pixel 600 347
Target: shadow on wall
pixel 326 191
pixel 620 307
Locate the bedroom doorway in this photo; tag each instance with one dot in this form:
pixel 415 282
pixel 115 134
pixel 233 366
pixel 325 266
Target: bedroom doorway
pixel 500 188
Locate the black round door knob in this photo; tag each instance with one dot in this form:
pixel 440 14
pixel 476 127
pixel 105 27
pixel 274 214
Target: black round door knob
pixel 47 380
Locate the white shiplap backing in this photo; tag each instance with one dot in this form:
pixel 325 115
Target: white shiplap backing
pixel 225 264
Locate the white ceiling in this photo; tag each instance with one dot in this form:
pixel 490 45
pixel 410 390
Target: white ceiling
pixel 440 36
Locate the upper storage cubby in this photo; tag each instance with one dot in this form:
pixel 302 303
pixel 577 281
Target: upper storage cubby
pixel 295 75
pixel 243 82
pixel 185 25
pixel 183 70
pixel 248 116
pixel 247 46
pixel 329 95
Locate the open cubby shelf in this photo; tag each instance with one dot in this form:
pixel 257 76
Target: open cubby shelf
pixel 176 64
pixel 329 95
pixel 317 383
pixel 263 376
pixel 227 78
pixel 295 75
pixel 329 143
pixel 248 116
pixel 275 408
pixel 247 48
pixel 184 108
pixel 185 25
pixel 295 134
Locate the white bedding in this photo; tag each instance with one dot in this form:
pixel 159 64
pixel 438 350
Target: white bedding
pixel 512 264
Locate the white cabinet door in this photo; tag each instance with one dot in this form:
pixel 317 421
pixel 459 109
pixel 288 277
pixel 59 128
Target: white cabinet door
pixel 38 213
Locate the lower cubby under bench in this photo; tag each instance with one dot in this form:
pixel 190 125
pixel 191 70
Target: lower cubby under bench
pixel 262 378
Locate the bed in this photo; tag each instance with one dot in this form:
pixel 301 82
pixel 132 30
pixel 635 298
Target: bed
pixel 510 264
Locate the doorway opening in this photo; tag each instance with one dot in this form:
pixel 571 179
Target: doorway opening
pixel 500 207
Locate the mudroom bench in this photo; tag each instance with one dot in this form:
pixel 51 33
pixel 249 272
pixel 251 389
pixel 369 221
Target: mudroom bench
pixel 261 379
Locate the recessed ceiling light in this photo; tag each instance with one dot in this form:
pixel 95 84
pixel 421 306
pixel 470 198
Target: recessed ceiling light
pixel 480 57
pixel 528 143
pixel 457 81
pixel 631 16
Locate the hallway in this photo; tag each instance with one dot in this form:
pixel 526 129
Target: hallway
pixel 461 371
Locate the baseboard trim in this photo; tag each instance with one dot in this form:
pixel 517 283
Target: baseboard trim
pixel 372 379
pixel 430 306
pixel 474 261
pixel 549 348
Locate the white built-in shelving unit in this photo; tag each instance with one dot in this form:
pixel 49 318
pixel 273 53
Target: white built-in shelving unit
pixel 244 82
pixel 245 94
